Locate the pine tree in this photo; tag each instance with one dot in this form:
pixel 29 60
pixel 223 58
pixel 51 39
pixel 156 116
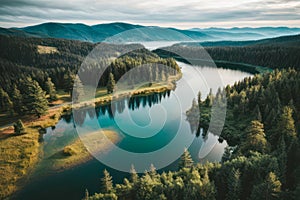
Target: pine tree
pixel 134 175
pixel 34 98
pixel 152 172
pixel 256 138
pixel 282 160
pixel 19 127
pixel 17 99
pixel 209 99
pixel 78 91
pixel 286 126
pixel 257 113
pixel 50 89
pixel 107 182
pixel 68 82
pixel 186 160
pixel 5 103
pixel 234 185
pixel 86 195
pixel 110 84
pixel 270 189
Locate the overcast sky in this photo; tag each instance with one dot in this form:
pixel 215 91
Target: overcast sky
pixel 168 13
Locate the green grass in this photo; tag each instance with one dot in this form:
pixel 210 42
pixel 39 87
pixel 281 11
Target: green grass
pixel 18 155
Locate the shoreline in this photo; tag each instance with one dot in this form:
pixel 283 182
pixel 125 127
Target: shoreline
pixel 36 127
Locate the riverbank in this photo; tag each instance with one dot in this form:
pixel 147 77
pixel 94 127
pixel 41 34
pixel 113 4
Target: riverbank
pixel 75 153
pixel 245 67
pixel 19 155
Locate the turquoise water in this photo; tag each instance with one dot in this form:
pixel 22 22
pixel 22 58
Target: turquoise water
pixel 144 124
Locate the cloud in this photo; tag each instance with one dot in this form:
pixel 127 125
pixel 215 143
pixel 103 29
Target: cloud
pixel 163 12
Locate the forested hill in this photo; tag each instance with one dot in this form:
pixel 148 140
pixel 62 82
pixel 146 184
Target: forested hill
pixel 281 52
pixel 262 161
pixel 291 40
pixel 56 62
pixel 100 32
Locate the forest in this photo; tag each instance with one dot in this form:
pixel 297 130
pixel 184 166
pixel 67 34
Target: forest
pixel 275 53
pixel 33 69
pixel 261 162
pixel 261 127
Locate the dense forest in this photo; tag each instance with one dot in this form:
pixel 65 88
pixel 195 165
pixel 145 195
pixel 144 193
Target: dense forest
pixel 262 122
pixel 281 53
pixel 33 68
pixel 261 161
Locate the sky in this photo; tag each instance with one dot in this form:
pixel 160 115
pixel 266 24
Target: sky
pixel 167 13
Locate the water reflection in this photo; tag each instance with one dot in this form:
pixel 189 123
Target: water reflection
pixel 116 106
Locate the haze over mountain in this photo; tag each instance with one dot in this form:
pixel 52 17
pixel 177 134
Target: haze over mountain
pixel 248 32
pixel 100 32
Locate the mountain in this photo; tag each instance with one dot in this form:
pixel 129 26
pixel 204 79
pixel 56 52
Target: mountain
pixel 248 33
pixel 139 33
pixel 287 41
pixel 101 32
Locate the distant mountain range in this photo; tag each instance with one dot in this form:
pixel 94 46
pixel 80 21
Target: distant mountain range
pixel 136 33
pixel 283 41
pixel 248 33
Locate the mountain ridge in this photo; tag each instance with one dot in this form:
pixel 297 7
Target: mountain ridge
pixel 100 32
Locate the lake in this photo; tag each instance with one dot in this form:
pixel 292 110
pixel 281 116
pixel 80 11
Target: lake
pixel 144 124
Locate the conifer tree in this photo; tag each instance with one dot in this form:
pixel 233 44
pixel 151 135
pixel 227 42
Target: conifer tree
pixel 17 99
pixel 50 89
pixel 19 127
pixel 286 124
pixel 34 99
pixel 78 91
pixel 86 195
pixel 110 84
pixel 270 189
pixel 256 138
pixel 5 103
pixel 282 160
pixel 134 175
pixel 107 182
pixel 186 160
pixel 234 185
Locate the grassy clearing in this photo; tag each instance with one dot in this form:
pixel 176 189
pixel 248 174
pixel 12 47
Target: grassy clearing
pixel 46 49
pixel 76 153
pixel 19 154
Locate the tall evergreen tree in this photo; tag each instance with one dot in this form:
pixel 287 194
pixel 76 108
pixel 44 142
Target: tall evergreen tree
pixel 50 89
pixel 17 99
pixel 234 185
pixel 134 175
pixel 78 91
pixel 86 195
pixel 107 183
pixel 111 84
pixel 282 160
pixel 255 139
pixel 268 190
pixel 34 99
pixel 286 124
pixel 186 160
pixel 5 103
pixel 209 99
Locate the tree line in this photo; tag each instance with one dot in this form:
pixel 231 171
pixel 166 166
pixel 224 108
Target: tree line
pixel 261 161
pixel 28 76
